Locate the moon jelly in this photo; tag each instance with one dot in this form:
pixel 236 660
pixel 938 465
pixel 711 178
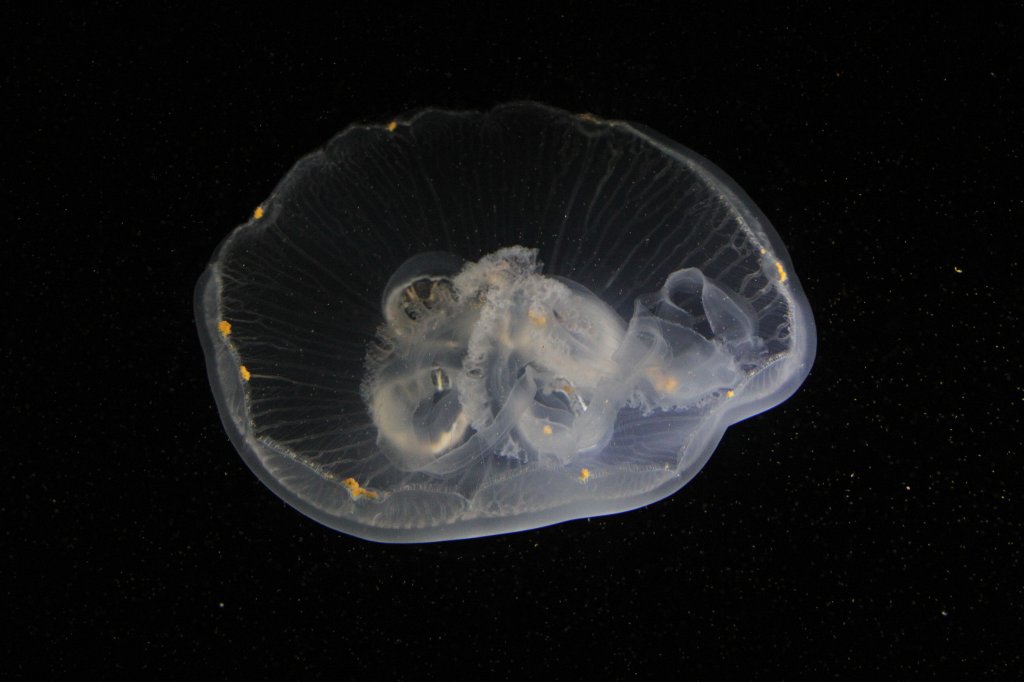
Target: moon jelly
pixel 461 324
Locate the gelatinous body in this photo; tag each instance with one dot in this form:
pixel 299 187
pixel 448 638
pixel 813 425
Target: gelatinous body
pixel 464 324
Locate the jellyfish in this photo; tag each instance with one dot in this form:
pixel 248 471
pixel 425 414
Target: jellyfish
pixel 462 324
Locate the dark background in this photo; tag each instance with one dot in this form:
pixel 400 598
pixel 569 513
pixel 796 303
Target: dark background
pixel 871 525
